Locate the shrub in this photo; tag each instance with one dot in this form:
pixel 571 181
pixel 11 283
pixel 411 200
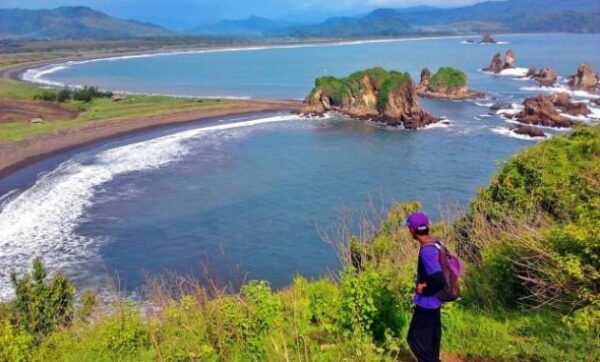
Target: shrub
pixel 42 304
pixel 48 95
pixel 448 77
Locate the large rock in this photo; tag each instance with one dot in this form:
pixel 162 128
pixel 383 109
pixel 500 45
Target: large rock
pixel 509 59
pixel 563 101
pixel 375 94
pixel 496 65
pixel 546 77
pixel 540 111
pixel 447 83
pixel 585 78
pixel 527 130
pixel 487 39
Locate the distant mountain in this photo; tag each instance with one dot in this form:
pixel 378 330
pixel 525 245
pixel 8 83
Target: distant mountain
pixel 579 16
pixel 252 26
pixel 71 23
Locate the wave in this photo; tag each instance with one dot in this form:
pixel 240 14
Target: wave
pixel 509 133
pixel 486 104
pixel 563 88
pixel 41 221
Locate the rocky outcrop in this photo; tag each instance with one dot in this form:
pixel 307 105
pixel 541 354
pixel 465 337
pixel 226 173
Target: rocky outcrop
pixel 585 78
pixel 527 130
pixel 509 60
pixel 540 111
pixel 563 101
pixel 447 83
pixel 375 94
pixel 498 63
pixel 546 77
pixel 487 39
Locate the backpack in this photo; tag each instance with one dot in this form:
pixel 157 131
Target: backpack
pixel 452 270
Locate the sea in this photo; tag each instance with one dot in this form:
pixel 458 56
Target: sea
pixel 260 196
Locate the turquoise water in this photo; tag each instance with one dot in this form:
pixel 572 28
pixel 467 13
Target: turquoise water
pixel 244 197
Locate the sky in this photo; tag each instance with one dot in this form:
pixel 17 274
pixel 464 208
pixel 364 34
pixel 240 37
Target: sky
pixel 186 14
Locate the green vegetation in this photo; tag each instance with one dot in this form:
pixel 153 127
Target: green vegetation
pixel 85 94
pixel 542 207
pixel 342 90
pixel 93 106
pixel 448 77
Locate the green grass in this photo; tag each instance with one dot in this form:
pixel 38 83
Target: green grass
pixel 339 89
pixel 448 77
pixel 97 110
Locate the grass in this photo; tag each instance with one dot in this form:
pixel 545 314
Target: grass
pixel 340 90
pixel 97 110
pixel 448 77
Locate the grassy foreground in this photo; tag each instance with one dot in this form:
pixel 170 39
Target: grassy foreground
pixel 531 241
pixel 95 110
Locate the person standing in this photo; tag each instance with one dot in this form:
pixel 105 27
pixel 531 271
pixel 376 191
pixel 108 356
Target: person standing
pixel 425 331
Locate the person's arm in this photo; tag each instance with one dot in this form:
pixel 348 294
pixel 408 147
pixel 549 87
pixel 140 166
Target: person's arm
pixel 434 279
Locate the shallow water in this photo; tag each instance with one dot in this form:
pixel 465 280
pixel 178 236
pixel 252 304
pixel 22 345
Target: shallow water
pixel 243 196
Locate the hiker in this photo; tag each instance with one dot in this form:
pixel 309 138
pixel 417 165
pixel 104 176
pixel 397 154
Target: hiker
pixel 425 332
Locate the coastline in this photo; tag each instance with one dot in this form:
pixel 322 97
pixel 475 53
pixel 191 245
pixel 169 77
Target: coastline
pixel 18 154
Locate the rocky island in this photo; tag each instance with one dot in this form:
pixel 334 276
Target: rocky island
pixel 551 111
pixel 498 63
pixel 383 96
pixel 487 39
pixel 585 78
pixel 545 77
pixel 447 83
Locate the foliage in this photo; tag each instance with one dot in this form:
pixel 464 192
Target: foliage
pixel 42 304
pixel 448 77
pixel 340 90
pixel 364 314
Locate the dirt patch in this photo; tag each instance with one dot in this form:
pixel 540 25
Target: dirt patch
pixel 12 110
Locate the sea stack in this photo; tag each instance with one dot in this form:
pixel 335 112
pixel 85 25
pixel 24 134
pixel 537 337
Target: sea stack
pixel 498 64
pixel 487 39
pixel 546 77
pixel 447 83
pixel 540 111
pixel 375 94
pixel 527 131
pixel 563 101
pixel 585 78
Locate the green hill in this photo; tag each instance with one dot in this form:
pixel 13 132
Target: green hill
pixel 530 241
pixel 71 23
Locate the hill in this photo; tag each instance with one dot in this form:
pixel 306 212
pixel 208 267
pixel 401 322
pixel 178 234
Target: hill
pixel 71 23
pixel 579 16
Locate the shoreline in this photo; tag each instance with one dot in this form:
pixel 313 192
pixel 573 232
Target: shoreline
pixel 18 154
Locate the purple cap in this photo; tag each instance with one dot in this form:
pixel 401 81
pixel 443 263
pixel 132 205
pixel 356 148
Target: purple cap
pixel 417 221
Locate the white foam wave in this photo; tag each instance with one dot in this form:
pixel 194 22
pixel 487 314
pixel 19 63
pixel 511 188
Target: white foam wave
pixel 514 109
pixel 562 88
pixel 41 221
pixel 444 123
pixel 485 104
pixel 485 115
pixel 514 72
pixel 510 133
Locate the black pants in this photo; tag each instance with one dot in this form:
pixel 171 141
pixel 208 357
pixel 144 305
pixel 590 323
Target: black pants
pixel 425 334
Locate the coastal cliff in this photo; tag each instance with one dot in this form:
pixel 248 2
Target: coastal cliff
pixel 447 83
pixel 388 97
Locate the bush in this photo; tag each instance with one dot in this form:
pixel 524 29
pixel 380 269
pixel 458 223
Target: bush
pixel 42 304
pixel 448 77
pixel 48 95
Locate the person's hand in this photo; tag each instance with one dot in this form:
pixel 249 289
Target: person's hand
pixel 420 287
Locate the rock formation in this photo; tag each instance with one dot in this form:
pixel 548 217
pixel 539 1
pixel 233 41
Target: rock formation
pixel 527 130
pixel 541 111
pixel 498 63
pixel 487 39
pixel 585 78
pixel 447 83
pixel 376 94
pixel 546 77
pixel 563 101
pixel 509 59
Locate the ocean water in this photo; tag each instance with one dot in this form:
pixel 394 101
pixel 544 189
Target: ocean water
pixel 242 198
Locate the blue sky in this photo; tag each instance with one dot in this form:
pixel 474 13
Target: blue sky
pixel 184 14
